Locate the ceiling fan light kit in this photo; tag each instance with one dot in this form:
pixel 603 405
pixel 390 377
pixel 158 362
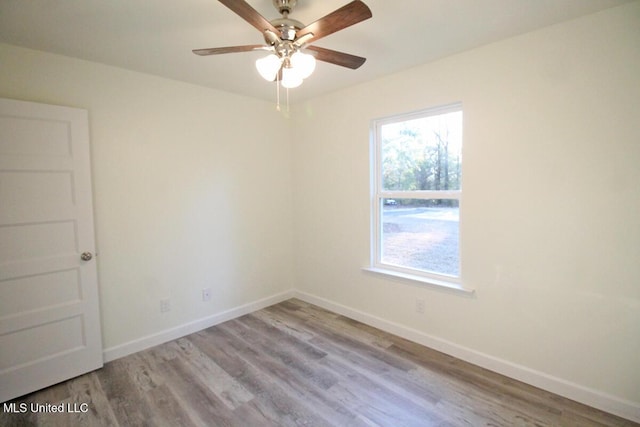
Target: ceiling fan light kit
pixel 293 69
pixel 286 39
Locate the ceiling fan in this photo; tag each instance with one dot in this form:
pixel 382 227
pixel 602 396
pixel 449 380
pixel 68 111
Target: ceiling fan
pixel 286 39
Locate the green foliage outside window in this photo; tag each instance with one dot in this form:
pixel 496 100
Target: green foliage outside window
pixel 422 154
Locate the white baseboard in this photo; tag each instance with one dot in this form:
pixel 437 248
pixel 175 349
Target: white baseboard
pixel 161 337
pixel 594 398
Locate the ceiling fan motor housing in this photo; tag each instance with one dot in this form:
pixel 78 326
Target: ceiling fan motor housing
pixel 287 27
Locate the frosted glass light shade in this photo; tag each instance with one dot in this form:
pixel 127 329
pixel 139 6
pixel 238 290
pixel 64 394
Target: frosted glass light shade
pixel 268 67
pixel 291 78
pixel 303 63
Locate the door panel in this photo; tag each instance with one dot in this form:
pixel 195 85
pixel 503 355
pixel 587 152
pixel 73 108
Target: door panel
pixel 49 319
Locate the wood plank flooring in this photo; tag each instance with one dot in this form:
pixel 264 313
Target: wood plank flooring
pixel 295 364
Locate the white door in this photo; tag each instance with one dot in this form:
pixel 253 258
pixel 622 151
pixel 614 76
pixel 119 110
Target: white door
pixel 49 319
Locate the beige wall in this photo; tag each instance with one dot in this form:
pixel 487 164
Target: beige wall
pixel 191 189
pixel 551 207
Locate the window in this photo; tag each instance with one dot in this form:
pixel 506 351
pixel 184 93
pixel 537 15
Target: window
pixel 417 189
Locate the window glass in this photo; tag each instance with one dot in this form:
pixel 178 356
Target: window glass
pixel 421 234
pixel 423 153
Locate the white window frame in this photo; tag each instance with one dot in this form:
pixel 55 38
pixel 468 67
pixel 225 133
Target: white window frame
pixel 378 194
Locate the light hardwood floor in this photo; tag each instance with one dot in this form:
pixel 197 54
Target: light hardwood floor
pixel 295 364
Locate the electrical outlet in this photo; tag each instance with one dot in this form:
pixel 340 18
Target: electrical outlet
pixel 420 306
pixel 165 305
pixel 206 294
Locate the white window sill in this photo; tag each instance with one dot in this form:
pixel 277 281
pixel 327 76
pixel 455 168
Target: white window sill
pixel 421 280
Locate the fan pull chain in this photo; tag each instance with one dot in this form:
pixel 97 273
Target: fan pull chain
pixel 277 92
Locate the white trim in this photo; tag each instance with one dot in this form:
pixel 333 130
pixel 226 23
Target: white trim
pixel 134 346
pixel 422 194
pixel 588 396
pixel 422 280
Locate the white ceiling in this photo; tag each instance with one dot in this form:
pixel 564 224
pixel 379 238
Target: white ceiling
pixel 156 36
